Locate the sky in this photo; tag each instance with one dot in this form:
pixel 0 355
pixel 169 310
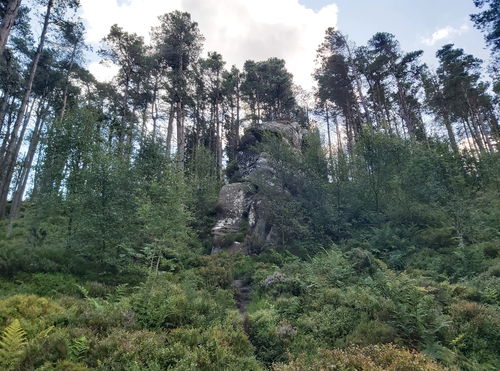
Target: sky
pixel 291 29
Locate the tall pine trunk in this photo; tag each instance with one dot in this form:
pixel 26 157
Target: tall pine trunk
pixel 25 171
pixel 357 80
pixel 7 22
pixel 170 128
pixel 8 161
pixel 180 132
pixel 9 170
pixel 3 109
pixel 330 154
pixel 451 135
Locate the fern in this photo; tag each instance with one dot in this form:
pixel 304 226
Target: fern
pixel 92 301
pixel 83 290
pixel 12 343
pixel 78 348
pixel 44 333
pixel 121 291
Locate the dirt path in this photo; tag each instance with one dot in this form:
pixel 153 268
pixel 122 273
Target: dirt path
pixel 242 295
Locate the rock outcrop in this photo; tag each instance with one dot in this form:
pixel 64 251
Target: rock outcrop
pixel 242 224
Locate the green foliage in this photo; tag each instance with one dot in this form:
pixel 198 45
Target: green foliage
pixel 165 222
pixel 128 350
pixel 78 348
pixel 203 190
pixel 35 313
pixel 12 344
pixel 385 254
pixel 377 358
pixel 213 348
pixel 165 304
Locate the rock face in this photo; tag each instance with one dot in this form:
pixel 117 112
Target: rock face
pixel 242 224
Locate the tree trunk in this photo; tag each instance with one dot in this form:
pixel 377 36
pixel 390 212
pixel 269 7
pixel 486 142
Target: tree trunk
pixel 330 154
pixel 451 135
pixel 6 136
pixel 219 134
pixel 25 171
pixel 484 132
pixel 3 109
pixel 357 79
pixel 9 171
pixel 66 82
pixel 8 21
pixel 237 124
pixel 468 135
pixel 154 107
pixel 124 120
pixel 170 129
pixel 9 159
pixel 180 133
pixel 144 120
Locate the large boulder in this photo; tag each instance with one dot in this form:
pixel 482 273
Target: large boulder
pixel 233 205
pixel 242 221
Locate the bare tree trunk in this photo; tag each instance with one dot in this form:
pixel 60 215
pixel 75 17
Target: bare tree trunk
pixel 470 138
pixel 484 132
pixel 357 79
pixel 494 129
pixel 237 124
pixel 3 109
pixel 170 128
pixel 66 82
pixel 144 119
pixel 181 145
pixel 6 136
pixel 330 154
pixel 475 134
pixel 9 171
pixel 451 135
pixel 349 131
pixel 25 171
pixel 8 21
pixel 124 120
pixel 9 159
pixel 218 139
pixel 154 107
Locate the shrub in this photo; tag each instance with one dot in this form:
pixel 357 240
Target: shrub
pixel 164 304
pixel 475 331
pixel 49 284
pixel 372 358
pixel 123 349
pixel 47 350
pixel 33 312
pixel 223 347
pixel 63 366
pixel 371 333
pixel 99 315
pixel 217 271
pixel 263 331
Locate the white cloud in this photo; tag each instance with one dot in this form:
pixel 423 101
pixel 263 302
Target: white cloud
pixel 445 33
pixel 103 72
pixel 238 29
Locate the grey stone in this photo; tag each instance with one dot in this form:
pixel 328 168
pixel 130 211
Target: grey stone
pixel 239 207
